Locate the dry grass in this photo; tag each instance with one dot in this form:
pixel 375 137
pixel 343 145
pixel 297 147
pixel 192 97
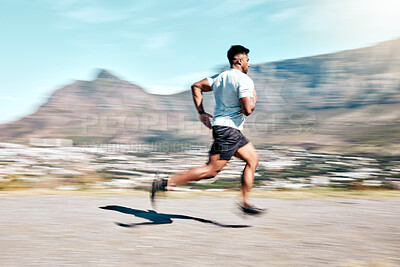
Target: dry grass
pixel 281 194
pixel 13 184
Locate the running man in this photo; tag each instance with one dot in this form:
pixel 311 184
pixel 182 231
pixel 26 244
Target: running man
pixel 235 98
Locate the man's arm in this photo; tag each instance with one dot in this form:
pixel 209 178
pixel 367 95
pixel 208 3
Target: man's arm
pixel 248 104
pixel 197 92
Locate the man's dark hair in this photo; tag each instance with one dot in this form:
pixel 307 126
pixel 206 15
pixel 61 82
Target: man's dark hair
pixel 236 49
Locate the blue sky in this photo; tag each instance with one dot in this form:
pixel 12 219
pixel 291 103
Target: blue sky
pixel 164 46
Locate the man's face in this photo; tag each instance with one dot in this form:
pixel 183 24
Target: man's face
pixel 246 64
pixel 243 61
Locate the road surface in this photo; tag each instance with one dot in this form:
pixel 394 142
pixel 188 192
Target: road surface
pixel 74 231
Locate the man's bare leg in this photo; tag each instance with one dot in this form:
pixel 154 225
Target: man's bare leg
pixel 248 154
pixel 210 170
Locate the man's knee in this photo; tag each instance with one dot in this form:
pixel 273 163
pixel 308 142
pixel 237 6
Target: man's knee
pixel 213 171
pixel 254 159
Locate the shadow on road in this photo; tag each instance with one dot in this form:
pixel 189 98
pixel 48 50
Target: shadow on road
pixel 162 218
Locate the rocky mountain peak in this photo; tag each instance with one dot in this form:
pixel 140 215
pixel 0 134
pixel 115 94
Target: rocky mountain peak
pixel 105 74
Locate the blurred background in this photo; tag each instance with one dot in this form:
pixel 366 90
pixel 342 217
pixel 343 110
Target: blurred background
pixel 95 100
pixel 95 94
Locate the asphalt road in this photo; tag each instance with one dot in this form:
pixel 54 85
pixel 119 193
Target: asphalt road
pixel 203 231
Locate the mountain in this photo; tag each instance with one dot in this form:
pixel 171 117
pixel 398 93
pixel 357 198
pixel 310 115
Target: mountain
pixel 339 80
pixel 106 109
pixel 349 99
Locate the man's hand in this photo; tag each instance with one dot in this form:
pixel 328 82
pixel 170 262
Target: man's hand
pixel 205 118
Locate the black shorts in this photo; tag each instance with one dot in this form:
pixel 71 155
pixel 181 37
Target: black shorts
pixel 227 141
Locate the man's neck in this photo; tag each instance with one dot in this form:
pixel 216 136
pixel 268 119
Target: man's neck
pixel 236 68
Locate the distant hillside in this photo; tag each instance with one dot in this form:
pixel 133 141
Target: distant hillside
pixel 339 80
pixel 105 109
pixel 341 101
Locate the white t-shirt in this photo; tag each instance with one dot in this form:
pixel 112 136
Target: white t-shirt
pixel 229 86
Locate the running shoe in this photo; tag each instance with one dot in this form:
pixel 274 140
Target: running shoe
pixel 250 209
pixel 158 184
